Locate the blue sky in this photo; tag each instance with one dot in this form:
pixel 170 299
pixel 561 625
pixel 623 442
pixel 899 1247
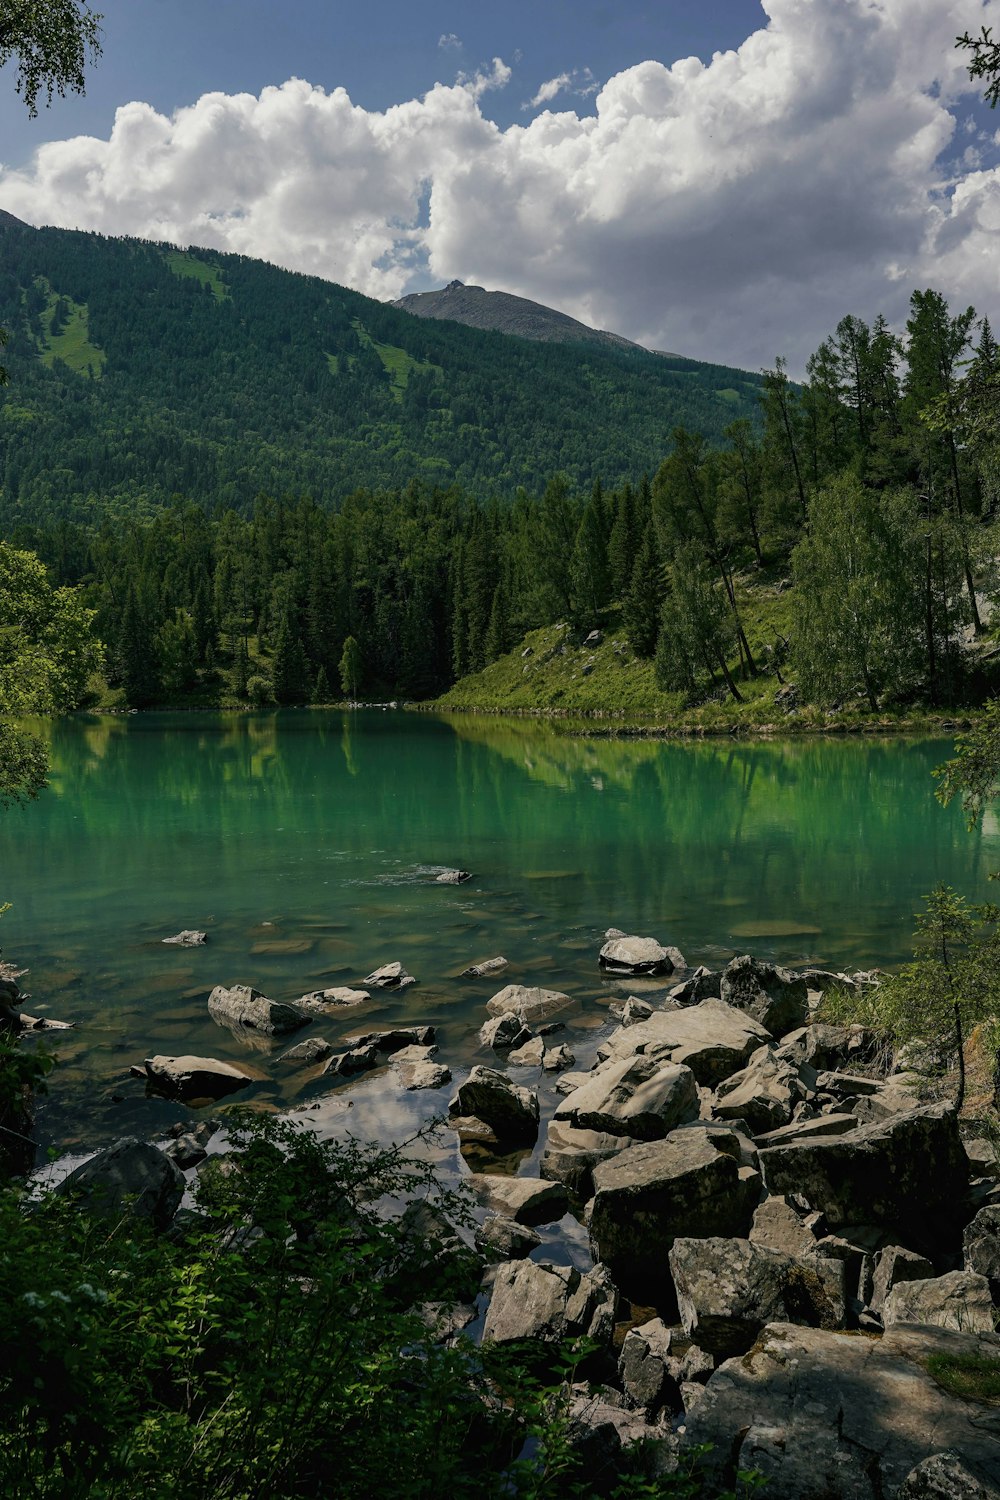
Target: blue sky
pixel 725 178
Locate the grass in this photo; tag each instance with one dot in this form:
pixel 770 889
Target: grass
pixel 183 264
pixel 71 343
pixel 973 1377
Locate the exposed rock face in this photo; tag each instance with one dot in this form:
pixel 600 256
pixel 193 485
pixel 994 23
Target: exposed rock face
pixel 313 1049
pixel 727 1290
pixel 647 1196
pixel 511 1112
pixel 527 1200
pixel 981 1246
pixel 130 1177
pixel 501 1032
pixel 195 1077
pixel 638 1096
pixel 775 997
pixel 765 1092
pixel 894 1265
pixel 960 1300
pixel 500 1238
pixel 186 939
pixel 908 1174
pixel 389 977
pixel 550 1303
pixel 530 1004
pixel 638 955
pixel 243 1006
pixel 704 984
pixel 842 1416
pixel 643 1367
pixel 571 1155
pixel 776 1226
pixel 943 1476
pixel 711 1038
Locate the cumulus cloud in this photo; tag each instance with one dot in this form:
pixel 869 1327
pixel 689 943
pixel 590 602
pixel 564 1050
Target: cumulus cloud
pixel 729 209
pixel 580 82
pixel 448 41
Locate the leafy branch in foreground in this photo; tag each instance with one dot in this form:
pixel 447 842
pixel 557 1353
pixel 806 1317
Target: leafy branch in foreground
pixel 985 61
pixel 51 41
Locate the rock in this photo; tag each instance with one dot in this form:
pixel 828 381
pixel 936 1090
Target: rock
pixel 501 1238
pixel 809 1130
pixel 643 1367
pixel 612 933
pixel 510 1111
pixel 186 939
pixel 313 1049
pixel 765 1092
pixel 504 1031
pixel 908 1174
pixel 713 1039
pixel 531 1005
pixel 631 1011
pixel 195 1077
pixel 820 1045
pixel 527 1200
pixel 571 1155
pixel 422 1075
pixel 549 1303
pixel 131 1178
pixel 982 1157
pixel 594 638
pixel 412 1054
pixel 390 977
pixel 729 1289
pixel 556 1059
pixel 529 1055
pixel 898 1095
pixel 943 1476
pixel 730 1137
pixel 638 955
pixel 960 1299
pixel 390 1042
pixel 842 1416
pixel 649 1194
pixel 981 1247
pixel 894 1265
pixel 356 1060
pixel 610 1443
pixel 570 1081
pixel 246 1008
pixel 702 985
pixel 187 1151
pixel 338 998
pixel 775 997
pixel 453 877
pixel 776 1226
pixel 484 970
pixel 638 1096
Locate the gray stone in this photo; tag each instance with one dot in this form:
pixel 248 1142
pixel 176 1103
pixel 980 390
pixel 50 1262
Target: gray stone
pixel 501 1032
pixel 390 1042
pixel 187 1151
pixel 244 1008
pixel 571 1155
pixel 943 1476
pixel 960 1299
pixel 898 1095
pixel 638 1096
pixel 729 1136
pixel 981 1246
pixel 557 1059
pixel 777 1226
pixel 775 997
pixel 486 969
pixel 809 1130
pixel 765 1092
pixel 840 1416
pixel 704 984
pixel 421 1075
pixel 894 1265
pixel 713 1039
pixel 529 1003
pixel 389 977
pixel 908 1174
pixel 529 1054
pixel 453 877
pixel 186 939
pixel 631 1011
pixel 355 1060
pixel 413 1054
pixel 729 1289
pixel 500 1238
pixel 196 1077
pixel 527 1200
pixel 819 1045
pixel 340 997
pixel 982 1156
pixel 130 1178
pixel 637 955
pixel 509 1110
pixel 313 1049
pixel 549 1303
pixel 643 1370
pixel 649 1194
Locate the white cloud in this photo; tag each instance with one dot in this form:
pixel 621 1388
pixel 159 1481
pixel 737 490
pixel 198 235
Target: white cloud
pixel 448 41
pixel 730 209
pixel 549 89
pixel 580 82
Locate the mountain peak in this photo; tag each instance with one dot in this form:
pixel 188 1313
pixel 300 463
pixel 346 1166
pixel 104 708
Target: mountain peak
pixel 503 312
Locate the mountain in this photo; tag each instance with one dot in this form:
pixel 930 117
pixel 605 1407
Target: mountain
pixel 502 312
pixel 139 372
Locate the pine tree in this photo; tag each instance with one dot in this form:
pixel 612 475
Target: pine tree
pixel 641 606
pixel 590 578
pixel 136 654
pixel 624 543
pixel 321 687
pixel 289 667
pixel 241 670
pixel 351 667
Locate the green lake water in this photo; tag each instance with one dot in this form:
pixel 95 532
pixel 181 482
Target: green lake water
pixel 306 845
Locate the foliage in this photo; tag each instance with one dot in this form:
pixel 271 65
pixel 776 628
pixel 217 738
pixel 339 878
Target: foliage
pixel 985 62
pixel 24 764
pixel 47 647
pixel 972 1377
pixel 51 41
pixel 974 771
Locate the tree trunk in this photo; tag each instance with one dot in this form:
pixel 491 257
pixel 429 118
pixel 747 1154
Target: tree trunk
pixel 960 1048
pixel 730 684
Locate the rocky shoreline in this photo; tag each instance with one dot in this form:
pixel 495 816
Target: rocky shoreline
pixel 785 1236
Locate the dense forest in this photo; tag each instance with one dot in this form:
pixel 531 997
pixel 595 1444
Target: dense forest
pixel 874 484
pixel 140 373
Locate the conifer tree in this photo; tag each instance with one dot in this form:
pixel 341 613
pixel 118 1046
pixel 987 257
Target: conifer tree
pixel 289 667
pixel 351 667
pixel 641 606
pixel 321 687
pixel 590 579
pixel 135 654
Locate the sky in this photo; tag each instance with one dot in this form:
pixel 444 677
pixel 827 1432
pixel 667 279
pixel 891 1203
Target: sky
pixel 724 178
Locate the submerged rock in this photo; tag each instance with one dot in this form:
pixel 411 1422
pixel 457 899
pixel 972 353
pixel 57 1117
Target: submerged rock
pixel 484 970
pixel 453 877
pixel 243 1006
pixel 339 998
pixel 530 1004
pixel 186 939
pixel 389 977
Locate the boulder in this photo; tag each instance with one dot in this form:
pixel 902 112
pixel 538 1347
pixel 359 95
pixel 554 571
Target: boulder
pixel 390 1042
pixel 186 939
pixel 195 1077
pixel 898 1095
pixel 765 1092
pixel 558 1059
pixel 711 1038
pixel 820 1045
pixel 649 1194
pixel 842 1416
pixel 638 1096
pixel 777 1226
pixel 389 977
pixel 130 1178
pixel 500 1238
pixel 571 1155
pixel 245 1008
pixel 775 997
pixel 704 984
pixel 313 1049
pixel 643 1367
pixel 638 955
pixel 631 1011
pixel 355 1060
pixel 501 1032
pixel 527 1200
pixel 981 1247
pixel 982 1156
pixel 529 1054
pixel 908 1174
pixel 453 877
pixel 511 1112
pixel 809 1130
pixel 894 1265
pixel 530 1004
pixel 550 1303
pixel 729 1136
pixel 960 1299
pixel 338 998
pixel 421 1075
pixel 486 969
pixel 187 1151
pixel 729 1289
pixel 943 1476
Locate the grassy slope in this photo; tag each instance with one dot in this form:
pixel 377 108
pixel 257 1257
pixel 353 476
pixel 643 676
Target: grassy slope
pixel 72 343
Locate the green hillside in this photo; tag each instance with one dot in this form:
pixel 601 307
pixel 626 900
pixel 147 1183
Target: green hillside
pixel 140 372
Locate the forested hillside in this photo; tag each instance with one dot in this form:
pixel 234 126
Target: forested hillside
pixel 140 373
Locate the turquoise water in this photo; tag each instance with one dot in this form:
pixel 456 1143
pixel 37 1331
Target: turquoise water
pixel 305 844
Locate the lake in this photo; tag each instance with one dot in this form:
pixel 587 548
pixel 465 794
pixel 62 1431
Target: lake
pixel 306 845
